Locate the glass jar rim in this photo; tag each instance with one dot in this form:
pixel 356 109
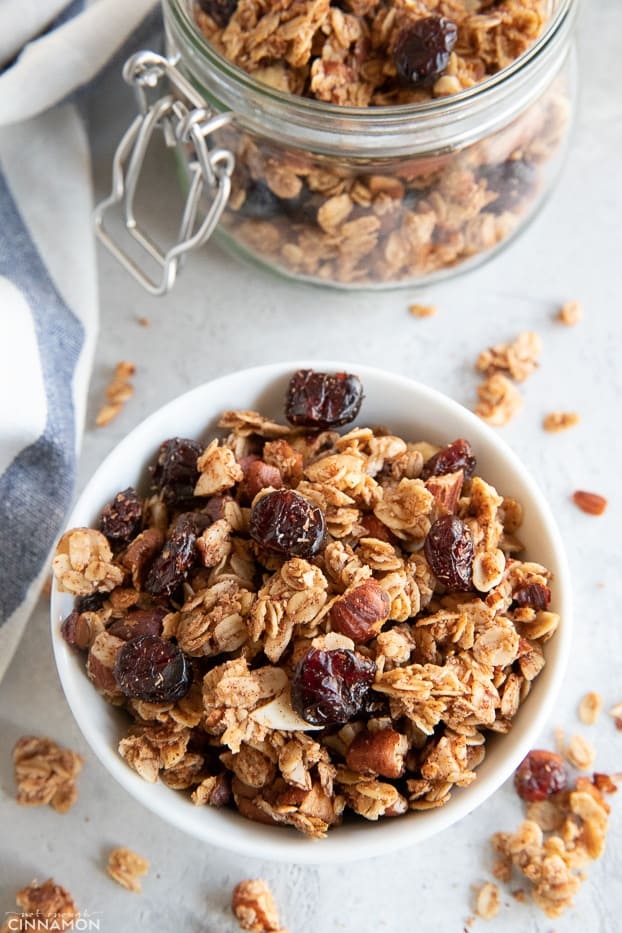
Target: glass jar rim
pixel 442 125
pixel 565 9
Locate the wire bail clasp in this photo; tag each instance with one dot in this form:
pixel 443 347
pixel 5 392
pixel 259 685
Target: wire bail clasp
pixel 183 118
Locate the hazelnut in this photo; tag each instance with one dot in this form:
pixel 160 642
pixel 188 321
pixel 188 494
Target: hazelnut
pixel 361 613
pixel 380 752
pixel 446 490
pixel 258 475
pixel 141 552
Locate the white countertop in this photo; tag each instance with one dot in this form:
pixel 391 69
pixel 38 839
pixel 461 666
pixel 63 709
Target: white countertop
pixel 224 316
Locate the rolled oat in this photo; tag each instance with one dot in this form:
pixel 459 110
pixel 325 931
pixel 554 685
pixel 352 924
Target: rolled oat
pixel 126 867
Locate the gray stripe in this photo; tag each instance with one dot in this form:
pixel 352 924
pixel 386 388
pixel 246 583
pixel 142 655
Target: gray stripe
pixel 36 490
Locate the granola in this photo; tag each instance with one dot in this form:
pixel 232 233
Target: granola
pixel 44 906
pixel 126 867
pixel 305 644
pixel 118 392
pixel 560 421
pixel 376 219
pixel 46 773
pixel 254 907
pixel 561 836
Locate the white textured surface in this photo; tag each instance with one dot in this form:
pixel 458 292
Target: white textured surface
pixel 224 316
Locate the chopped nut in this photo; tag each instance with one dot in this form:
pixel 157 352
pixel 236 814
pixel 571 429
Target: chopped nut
pixel 422 310
pixel 254 907
pixel 378 752
pixel 499 400
pixel 488 902
pixel 589 502
pixel 126 867
pixel 45 773
pixel 560 421
pixel 570 313
pixel 144 321
pixel 590 707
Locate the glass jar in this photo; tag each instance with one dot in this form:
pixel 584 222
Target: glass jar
pixel 375 197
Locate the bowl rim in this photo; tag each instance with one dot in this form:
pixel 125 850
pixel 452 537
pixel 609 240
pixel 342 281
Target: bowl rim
pixel 396 834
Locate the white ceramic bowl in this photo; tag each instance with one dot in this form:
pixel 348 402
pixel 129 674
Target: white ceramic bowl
pixel 414 412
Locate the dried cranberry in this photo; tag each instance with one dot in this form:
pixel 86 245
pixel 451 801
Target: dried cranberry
pixel 540 775
pixel 283 521
pixel 423 48
pixel 122 518
pixel 449 551
pixel 535 595
pixel 138 622
pixel 220 11
pixel 512 181
pixel 260 202
pixel 91 603
pixel 456 456
pixel 178 555
pixel 175 471
pixel 331 686
pixel 323 400
pixel 151 669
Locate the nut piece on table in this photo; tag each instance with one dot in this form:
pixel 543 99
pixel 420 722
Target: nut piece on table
pixel 570 313
pixel 589 502
pixel 126 867
pixel 255 909
pixel 560 421
pixel 45 773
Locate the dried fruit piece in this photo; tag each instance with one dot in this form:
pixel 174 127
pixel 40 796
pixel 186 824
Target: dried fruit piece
pixel 456 456
pixel 121 519
pixel 449 551
pixel 361 613
pixel 284 522
pixel 178 555
pixel 220 11
pixel 323 400
pixel 540 775
pixel 138 622
pixel 535 595
pixel 423 48
pixel 511 181
pixel 331 686
pixel 151 669
pixel 175 472
pixel 589 502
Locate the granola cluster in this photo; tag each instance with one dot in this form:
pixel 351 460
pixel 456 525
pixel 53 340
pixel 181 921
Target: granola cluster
pixel 46 906
pixel 559 838
pixel 289 627
pixel 380 219
pixel 45 773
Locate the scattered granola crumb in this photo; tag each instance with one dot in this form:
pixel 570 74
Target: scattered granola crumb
pixel 488 902
pixel 254 906
pixel 605 783
pixel 144 321
pixel 502 869
pixel 616 712
pixel 590 707
pixel 518 359
pixel 580 753
pixel 499 400
pixel 589 502
pixel 45 773
pixel 570 313
pixel 560 421
pixel 423 310
pixel 126 867
pixel 519 895
pixel 44 906
pixel 118 392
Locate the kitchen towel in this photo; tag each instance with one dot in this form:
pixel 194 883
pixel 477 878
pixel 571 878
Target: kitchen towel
pixel 50 52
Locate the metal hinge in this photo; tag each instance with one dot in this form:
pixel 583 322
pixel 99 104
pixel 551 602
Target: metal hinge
pixel 183 118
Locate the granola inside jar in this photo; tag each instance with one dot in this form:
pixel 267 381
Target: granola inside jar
pixel 379 184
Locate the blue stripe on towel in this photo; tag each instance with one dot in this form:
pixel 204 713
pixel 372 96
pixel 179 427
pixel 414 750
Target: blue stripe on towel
pixel 36 489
